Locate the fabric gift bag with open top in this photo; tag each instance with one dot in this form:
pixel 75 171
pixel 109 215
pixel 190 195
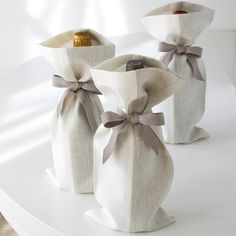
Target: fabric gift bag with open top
pixel 78 111
pixel 132 168
pixel 177 26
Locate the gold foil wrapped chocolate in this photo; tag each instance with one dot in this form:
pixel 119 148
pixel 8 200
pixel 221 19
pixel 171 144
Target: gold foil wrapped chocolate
pixel 81 39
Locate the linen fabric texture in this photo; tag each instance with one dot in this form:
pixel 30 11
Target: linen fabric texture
pixel 72 136
pixel 186 108
pixel 131 185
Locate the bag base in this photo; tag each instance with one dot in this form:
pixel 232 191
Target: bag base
pixel 52 175
pixel 103 217
pixel 195 135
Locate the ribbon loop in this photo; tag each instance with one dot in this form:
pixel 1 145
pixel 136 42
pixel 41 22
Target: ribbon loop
pixel 112 119
pixel 192 54
pixel 142 121
pixel 82 90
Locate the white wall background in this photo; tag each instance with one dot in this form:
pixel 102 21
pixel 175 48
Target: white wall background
pixel 25 23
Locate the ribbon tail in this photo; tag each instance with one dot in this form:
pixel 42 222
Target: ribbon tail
pixel 109 149
pixel 195 68
pixel 167 58
pixel 86 102
pixel 60 104
pixel 149 137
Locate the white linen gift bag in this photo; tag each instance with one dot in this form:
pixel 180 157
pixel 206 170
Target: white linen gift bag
pixel 132 168
pixel 177 26
pixel 78 111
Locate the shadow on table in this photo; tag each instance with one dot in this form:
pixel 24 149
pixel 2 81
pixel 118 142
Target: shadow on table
pixel 27 100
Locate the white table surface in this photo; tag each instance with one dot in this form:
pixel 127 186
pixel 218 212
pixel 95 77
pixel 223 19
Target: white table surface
pixel 203 194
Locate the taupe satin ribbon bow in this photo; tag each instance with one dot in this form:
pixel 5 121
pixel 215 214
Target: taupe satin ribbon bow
pixel 81 89
pixel 192 53
pixel 142 121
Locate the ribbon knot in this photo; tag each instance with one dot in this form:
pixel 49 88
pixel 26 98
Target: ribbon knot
pixel 192 54
pixel 133 119
pixel 82 91
pixel 180 50
pixel 76 86
pixel 141 121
